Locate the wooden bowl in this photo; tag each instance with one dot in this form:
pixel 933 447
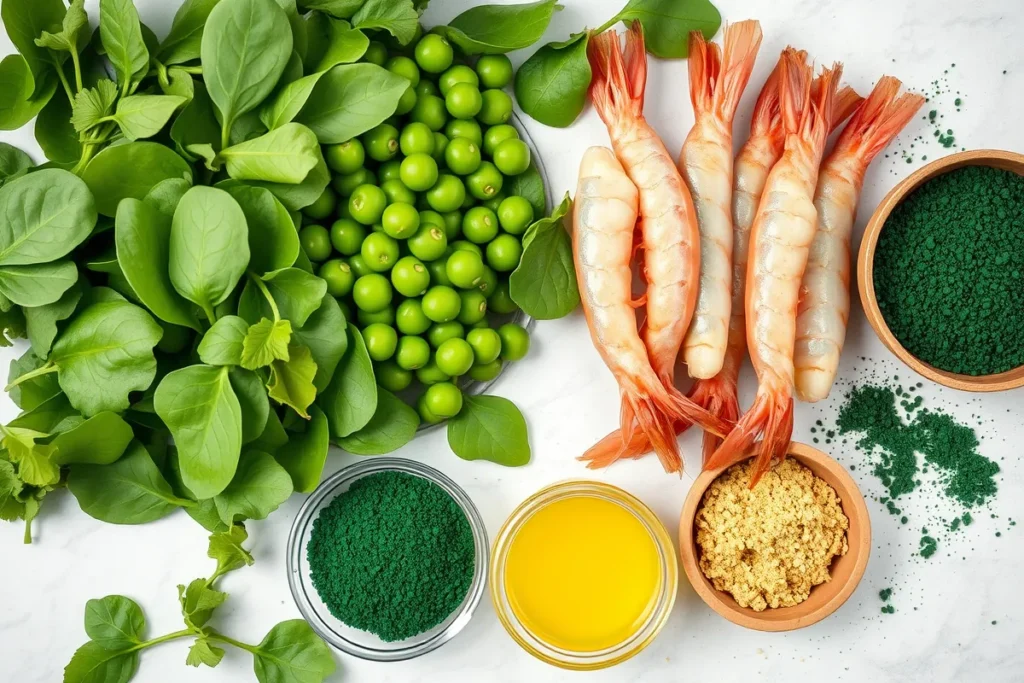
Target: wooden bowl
pixel 1009 161
pixel 826 598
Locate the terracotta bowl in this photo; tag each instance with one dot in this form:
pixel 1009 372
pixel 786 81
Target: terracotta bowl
pixel 1010 161
pixel 825 598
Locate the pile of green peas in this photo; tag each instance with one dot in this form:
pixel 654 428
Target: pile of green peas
pixel 421 235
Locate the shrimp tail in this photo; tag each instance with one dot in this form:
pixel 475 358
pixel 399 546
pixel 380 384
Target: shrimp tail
pixel 797 90
pixel 847 100
pixel 767 119
pixel 878 120
pixel 719 397
pixel 650 407
pixel 772 416
pixel 619 80
pixel 716 81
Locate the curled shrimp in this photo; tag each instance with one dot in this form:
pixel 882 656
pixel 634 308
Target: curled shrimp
pixel 717 82
pixel 604 215
pixel 825 294
pixel 779 244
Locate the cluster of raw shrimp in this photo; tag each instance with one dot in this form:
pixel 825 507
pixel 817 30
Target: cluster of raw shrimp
pixel 751 254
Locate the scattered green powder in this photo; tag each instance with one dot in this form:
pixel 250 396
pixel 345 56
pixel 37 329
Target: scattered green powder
pixel 885 594
pixel 968 519
pixel 888 609
pixel 928 546
pixel 949 269
pixel 393 555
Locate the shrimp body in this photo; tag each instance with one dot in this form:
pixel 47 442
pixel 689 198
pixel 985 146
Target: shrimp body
pixel 825 294
pixel 706 162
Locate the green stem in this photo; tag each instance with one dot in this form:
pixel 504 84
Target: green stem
pixel 225 135
pixel 78 70
pixel 162 639
pixel 266 293
pixel 27 538
pixel 231 641
pixel 64 82
pixel 210 314
pixel 195 70
pixel 38 372
pixel 216 575
pixel 608 24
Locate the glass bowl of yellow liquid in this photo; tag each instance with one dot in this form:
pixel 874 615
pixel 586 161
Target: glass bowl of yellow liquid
pixel 583 575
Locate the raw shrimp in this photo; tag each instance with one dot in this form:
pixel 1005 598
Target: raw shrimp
pixel 779 243
pixel 706 162
pixel 825 295
pixel 604 216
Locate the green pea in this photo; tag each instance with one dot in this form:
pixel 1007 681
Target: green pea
pixel 464 269
pixel 515 341
pixel 496 108
pixel 407 101
pixel 419 172
pixel 380 251
pixel 338 276
pixel 432 217
pixel 442 332
pixel 347 236
pixel 345 185
pixel 440 145
pixel 454 357
pixel 515 214
pixel 384 317
pixel 376 53
pixel 381 142
pixel 434 53
pixel 421 407
pixel 409 318
pixel 486 344
pixel 463 100
pixel 464 245
pixel 404 67
pixel 410 277
pixel 452 224
pixel 459 73
pixel 396 192
pixel 464 128
pixel 392 377
pixel 488 281
pixel 416 138
pixel 462 156
pixel 485 372
pixel 430 374
pixel 512 157
pixel 372 293
pixel 438 272
pixel 494 202
pixel 447 194
pixel 426 87
pixel 443 399
pixel 401 220
pixel 390 170
pixel 480 225
pixel 429 242
pixel 367 204
pixel 430 110
pixel 500 301
pixel 441 303
pixel 323 206
pixel 495 71
pixel 381 341
pixel 504 252
pixel 485 182
pixel 316 242
pixel 346 157
pixel 496 135
pixel 358 265
pixel 413 353
pixel 474 306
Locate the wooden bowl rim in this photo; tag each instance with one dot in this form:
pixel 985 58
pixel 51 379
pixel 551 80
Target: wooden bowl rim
pixel 1003 381
pixel 853 506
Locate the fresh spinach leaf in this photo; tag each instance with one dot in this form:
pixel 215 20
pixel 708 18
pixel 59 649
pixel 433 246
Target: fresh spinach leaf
pixel 131 170
pixel 30 393
pixel 129 491
pixel 295 197
pixel 18 105
pixel 343 9
pixel 252 399
pixel 198 601
pixel 50 416
pixel 544 283
pixel 397 17
pixel 350 100
pixel 297 293
pixel 265 342
pixel 324 334
pixel 166 194
pixel 196 124
pixel 273 437
pixel 259 487
pixel 93 663
pixel 222 343
pixel 496 29
pixel 185 38
pixel 350 400
pixel 341 44
pixel 284 155
pixel 393 425
pixel 200 408
pixel 115 622
pixel 121 33
pixel 143 116
pixel 209 248
pixel 100 440
pixel 37 285
pixel 74 33
pixel 41 321
pixel 34 460
pixel 226 548
pixel 142 235
pixel 25 20
pixel 177 82
pixel 93 105
pixel 13 163
pixel 530 185
pixel 490 428
pixel 551 86
pixel 46 215
pixel 289 100
pixel 305 454
pixel 291 381
pixel 668 23
pixel 292 653
pixel 273 239
pixel 55 134
pixel 203 652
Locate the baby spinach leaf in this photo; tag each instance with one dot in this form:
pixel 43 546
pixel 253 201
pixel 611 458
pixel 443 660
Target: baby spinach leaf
pixel 259 488
pixel 198 601
pixel 185 38
pixel 265 342
pixel 350 100
pixel 200 408
pixel 292 653
pixel 177 82
pixel 296 292
pixel 284 155
pixel 54 132
pixel 252 399
pixel 197 123
pixel 93 663
pixel 222 343
pixel 291 381
pixel 544 283
pixel 33 392
pixel 100 440
pixel 342 44
pixel 209 246
pixel 397 17
pixel 273 436
pixel 131 170
pixel 551 86
pixel 46 215
pixel 34 460
pixel 273 239
pixel 13 162
pixel 143 235
pixel 496 29
pixel 295 197
pixel 300 41
pixel 25 20
pixel 244 51
pixel 41 321
pixel 226 548
pixel 393 425
pixel 50 416
pixel 350 400
pixel 18 105
pixel 324 334
pixel 74 33
pixel 11 487
pixel 166 194
pixel 530 185
pixel 204 513
pixel 105 353
pixel 121 34
pixel 115 622
pixel 305 454
pixel 129 491
pixel 490 428
pixel 37 285
pixel 287 103
pixel 246 127
pixel 203 652
pixel 343 9
pixel 143 116
pixel 668 23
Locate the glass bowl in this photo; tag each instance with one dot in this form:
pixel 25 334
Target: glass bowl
pixel 662 605
pixel 355 641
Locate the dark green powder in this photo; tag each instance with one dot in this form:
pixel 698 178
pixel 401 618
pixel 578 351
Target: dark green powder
pixel 393 555
pixel 949 271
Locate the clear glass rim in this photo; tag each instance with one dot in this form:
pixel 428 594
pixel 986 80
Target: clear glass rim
pixel 328 489
pixel 667 589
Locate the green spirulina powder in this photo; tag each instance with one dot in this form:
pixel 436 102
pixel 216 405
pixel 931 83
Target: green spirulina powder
pixel 393 555
pixel 949 271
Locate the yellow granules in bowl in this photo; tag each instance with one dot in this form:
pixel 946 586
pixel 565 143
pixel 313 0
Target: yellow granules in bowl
pixel 768 546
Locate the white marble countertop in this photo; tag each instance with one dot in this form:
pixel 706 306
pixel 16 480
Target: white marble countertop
pixel 958 615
